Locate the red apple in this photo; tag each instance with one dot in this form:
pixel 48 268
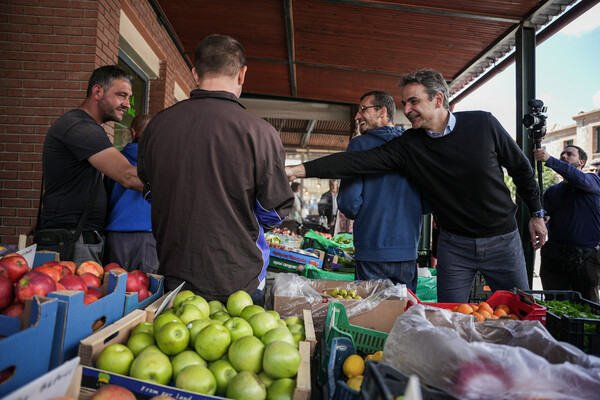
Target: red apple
pixel 49 263
pixel 88 298
pixel 48 270
pixel 14 310
pixel 16 265
pixel 133 283
pixel 92 267
pixel 110 266
pixel 4 271
pixel 62 269
pixel 71 265
pixel 60 286
pixel 143 294
pixel 74 282
pixel 91 280
pixel 34 283
pixel 92 291
pixel 144 279
pixel 113 392
pixel 7 292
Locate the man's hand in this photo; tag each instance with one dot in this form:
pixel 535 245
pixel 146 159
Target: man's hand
pixel 540 155
pixel 538 232
pixel 297 171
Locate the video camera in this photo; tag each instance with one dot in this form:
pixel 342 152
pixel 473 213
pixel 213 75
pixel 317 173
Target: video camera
pixel 535 121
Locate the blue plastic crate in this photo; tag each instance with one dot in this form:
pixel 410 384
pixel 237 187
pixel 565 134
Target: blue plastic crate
pixel 341 348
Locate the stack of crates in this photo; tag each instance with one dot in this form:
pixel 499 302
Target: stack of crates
pixel 480 291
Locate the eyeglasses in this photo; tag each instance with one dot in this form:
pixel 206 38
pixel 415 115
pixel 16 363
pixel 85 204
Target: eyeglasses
pixel 362 109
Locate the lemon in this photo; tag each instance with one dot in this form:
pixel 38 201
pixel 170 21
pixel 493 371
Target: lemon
pixel 355 382
pixel 353 365
pixel 378 355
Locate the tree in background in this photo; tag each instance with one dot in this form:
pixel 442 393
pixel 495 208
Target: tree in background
pixel 549 178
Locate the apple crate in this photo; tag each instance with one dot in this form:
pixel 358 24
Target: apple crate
pixel 583 333
pixel 119 332
pixel 517 303
pixel 77 321
pixel 157 287
pixel 25 340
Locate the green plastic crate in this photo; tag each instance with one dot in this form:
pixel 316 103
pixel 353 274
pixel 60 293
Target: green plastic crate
pixel 365 341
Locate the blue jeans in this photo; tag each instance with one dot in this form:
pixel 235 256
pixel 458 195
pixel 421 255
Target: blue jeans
pixel 499 258
pixel 404 272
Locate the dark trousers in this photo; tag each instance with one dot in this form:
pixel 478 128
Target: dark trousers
pixel 585 279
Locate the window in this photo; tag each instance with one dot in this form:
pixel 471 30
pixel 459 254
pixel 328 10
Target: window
pixel 597 138
pixel 139 100
pixel 568 143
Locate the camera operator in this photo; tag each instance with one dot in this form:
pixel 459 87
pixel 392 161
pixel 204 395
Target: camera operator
pixel 570 257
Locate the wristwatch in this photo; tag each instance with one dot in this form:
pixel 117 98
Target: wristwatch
pixel 541 213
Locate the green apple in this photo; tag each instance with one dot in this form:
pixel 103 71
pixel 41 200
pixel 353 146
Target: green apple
pixel 180 297
pixel 246 385
pixel 168 311
pixel 238 327
pixel 220 316
pixel 149 349
pixel 115 358
pixel 298 337
pixel 162 320
pixel 261 323
pixel 275 313
pixel 281 389
pixel 223 372
pixel 265 379
pixel 282 323
pixel 173 338
pixel 212 342
pixel 294 320
pixel 185 358
pixel 279 333
pixel 281 360
pixel 195 327
pixel 188 313
pixel 197 378
pixel 199 302
pixel 294 328
pixel 143 327
pixel 246 354
pixel 139 341
pixel 250 310
pixel 237 301
pixel 152 366
pixel 216 305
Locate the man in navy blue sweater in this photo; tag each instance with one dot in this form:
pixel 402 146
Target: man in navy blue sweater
pixel 456 160
pixel 570 258
pixel 386 228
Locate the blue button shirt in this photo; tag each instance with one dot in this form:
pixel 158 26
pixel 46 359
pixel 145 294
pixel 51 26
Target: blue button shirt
pixel 449 127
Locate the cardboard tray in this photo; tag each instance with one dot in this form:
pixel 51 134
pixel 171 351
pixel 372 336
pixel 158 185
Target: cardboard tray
pixel 27 339
pixel 118 332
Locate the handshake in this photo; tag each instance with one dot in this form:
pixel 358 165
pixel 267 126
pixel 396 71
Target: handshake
pixel 294 172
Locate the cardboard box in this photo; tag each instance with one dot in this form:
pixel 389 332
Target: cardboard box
pixel 76 321
pixel 292 258
pixel 118 332
pixel 380 318
pixel 157 287
pixel 27 345
pixel 153 308
pixel 43 256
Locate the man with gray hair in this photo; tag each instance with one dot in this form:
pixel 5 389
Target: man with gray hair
pixel 456 161
pixel 382 250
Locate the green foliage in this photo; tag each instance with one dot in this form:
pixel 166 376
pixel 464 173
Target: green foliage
pixel 549 178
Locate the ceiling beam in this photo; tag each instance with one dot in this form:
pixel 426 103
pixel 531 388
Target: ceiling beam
pixel 289 29
pixel 425 10
pixel 309 129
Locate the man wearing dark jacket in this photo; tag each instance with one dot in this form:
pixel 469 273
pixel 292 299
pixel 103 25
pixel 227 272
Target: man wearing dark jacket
pixel 217 178
pixel 386 227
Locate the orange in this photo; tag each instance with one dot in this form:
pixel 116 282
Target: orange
pixel 478 316
pixel 453 309
pixel 474 307
pixel 499 312
pixel 485 306
pixel 494 316
pixel 464 308
pixel 503 307
pixel 485 313
pixel 513 316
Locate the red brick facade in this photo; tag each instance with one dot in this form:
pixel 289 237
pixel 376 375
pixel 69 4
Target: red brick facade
pixel 48 49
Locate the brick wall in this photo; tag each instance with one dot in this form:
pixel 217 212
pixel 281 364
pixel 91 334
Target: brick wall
pixel 48 49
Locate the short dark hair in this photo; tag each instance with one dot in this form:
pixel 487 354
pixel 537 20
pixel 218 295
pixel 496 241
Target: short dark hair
pixel 383 99
pixel 433 81
pixel 104 76
pixel 582 154
pixel 219 54
pixel 139 123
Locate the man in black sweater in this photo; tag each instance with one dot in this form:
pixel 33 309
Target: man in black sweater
pixel 456 161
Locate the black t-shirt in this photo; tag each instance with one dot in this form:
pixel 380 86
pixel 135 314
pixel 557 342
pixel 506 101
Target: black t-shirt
pixel 69 178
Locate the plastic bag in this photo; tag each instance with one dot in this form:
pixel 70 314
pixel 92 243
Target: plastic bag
pixel 312 272
pixel 337 241
pixel 300 292
pixel 427 289
pixel 495 359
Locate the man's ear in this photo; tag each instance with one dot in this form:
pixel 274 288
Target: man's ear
pixel 97 91
pixel 439 99
pixel 195 73
pixel 242 75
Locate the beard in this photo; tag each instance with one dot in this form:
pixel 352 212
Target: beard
pixel 110 113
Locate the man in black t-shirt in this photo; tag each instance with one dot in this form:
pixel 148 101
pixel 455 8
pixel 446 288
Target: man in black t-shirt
pixel 77 151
